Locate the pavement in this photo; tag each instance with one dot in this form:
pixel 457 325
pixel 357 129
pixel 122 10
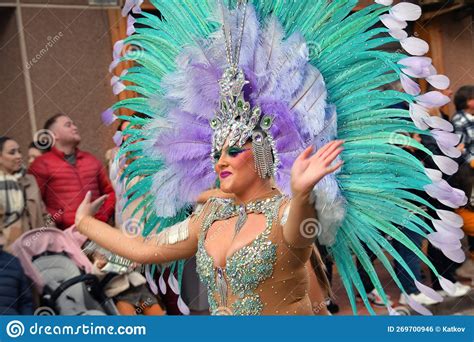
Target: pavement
pixel 450 306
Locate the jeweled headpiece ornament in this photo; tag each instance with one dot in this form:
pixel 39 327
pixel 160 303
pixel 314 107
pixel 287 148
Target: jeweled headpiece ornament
pixel 235 120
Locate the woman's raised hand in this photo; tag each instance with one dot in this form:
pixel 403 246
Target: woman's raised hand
pixel 309 169
pixel 86 208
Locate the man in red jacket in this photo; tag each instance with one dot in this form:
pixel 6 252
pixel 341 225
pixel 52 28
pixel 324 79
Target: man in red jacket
pixel 65 174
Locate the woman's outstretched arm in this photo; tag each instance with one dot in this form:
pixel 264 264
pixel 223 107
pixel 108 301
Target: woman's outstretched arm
pixel 156 249
pixel 139 249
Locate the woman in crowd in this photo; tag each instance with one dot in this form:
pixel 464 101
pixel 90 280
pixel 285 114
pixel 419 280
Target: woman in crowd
pixel 20 198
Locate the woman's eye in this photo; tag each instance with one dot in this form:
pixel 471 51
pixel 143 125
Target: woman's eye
pixel 217 156
pixel 234 151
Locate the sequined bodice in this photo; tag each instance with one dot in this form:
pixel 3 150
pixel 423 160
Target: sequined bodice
pixel 246 268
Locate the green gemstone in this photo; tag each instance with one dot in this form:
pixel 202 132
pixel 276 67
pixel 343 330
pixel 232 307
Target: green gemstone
pixel 267 122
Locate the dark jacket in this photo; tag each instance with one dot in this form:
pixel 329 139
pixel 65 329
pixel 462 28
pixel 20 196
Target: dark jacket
pixel 15 287
pixel 63 186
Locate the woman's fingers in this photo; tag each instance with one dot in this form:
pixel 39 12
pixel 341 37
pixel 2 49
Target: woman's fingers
pixel 330 158
pixel 95 206
pixel 306 153
pixel 87 197
pixel 335 167
pixel 331 147
pixel 324 148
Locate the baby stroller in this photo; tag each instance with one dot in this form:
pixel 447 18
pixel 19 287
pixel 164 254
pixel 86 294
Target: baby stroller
pixel 60 271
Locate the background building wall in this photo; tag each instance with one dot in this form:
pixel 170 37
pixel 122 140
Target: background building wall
pixel 458 42
pixel 14 119
pixel 68 49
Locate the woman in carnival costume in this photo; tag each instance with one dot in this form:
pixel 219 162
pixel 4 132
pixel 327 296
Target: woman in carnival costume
pixel 255 94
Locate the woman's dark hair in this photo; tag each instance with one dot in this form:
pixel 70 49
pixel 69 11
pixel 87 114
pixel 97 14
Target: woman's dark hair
pixel 463 95
pixel 3 140
pixel 39 147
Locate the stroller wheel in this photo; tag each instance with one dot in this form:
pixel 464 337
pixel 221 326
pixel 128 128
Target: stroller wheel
pixel 44 311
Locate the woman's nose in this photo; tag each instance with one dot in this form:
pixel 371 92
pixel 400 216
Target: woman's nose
pixel 222 162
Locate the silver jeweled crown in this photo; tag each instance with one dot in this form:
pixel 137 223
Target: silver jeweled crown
pixel 237 121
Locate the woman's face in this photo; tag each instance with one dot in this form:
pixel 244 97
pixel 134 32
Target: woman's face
pixel 235 168
pixel 10 157
pixel 33 153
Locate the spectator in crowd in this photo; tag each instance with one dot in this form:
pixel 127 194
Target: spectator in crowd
pixel 66 173
pixel 463 120
pixel 20 200
pixel 464 180
pixel 35 149
pixel 15 290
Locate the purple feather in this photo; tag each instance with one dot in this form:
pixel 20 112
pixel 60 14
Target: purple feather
pixel 410 86
pixel 442 226
pixel 439 190
pixel 456 255
pixel 151 282
pixel 173 283
pixel 449 151
pixel 130 22
pixel 108 117
pixel 434 175
pixel 419 116
pixel 183 308
pixel 446 165
pixel 449 233
pixel 432 99
pixel 418 67
pixel 417 306
pixel 445 138
pixel 456 199
pixel 450 218
pixel 162 284
pixel 439 241
pixel 117 138
pixel 446 194
pixel 447 285
pixel 428 291
pixel 114 64
pixel 118 47
pixel 439 123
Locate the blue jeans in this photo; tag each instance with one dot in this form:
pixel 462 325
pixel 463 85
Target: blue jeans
pixel 413 262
